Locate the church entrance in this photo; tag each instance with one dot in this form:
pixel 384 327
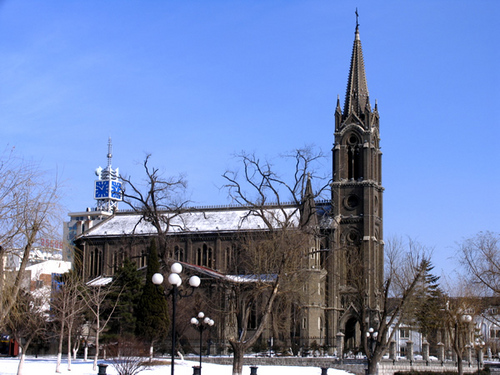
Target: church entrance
pixel 352 336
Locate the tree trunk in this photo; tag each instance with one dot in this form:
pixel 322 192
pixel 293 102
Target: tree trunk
pixel 85 353
pixel 238 354
pixel 58 362
pixel 70 328
pixel 24 349
pixel 372 367
pixel 60 346
pixel 460 365
pixel 97 332
pixel 94 367
pixel 21 364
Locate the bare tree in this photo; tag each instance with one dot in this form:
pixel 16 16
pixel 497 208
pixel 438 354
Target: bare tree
pixel 94 297
pixel 67 307
pixel 157 199
pixel 458 319
pixel 29 210
pixel 481 259
pixel 271 259
pixel 480 256
pixel 406 266
pixel 26 321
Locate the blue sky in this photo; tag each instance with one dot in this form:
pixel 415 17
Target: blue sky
pixel 194 82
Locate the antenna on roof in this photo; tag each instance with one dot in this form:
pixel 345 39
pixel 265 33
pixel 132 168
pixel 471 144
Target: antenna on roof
pixel 110 148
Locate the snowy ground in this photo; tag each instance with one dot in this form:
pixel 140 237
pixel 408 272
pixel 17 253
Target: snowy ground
pixel 42 366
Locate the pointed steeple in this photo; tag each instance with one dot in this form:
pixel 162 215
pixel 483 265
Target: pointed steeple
pixel 356 98
pixel 308 215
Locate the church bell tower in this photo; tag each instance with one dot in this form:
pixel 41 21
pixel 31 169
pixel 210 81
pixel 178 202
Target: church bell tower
pixel 356 198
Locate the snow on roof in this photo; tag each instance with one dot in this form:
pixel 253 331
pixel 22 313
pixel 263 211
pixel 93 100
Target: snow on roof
pixel 233 278
pixel 48 267
pixel 264 278
pixel 199 221
pixel 252 278
pixel 100 281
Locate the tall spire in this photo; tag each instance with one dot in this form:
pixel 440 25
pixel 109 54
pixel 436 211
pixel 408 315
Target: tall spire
pixel 308 215
pixel 356 98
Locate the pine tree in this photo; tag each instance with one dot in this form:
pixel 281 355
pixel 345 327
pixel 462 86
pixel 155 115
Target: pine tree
pixel 129 286
pixel 430 306
pixel 152 313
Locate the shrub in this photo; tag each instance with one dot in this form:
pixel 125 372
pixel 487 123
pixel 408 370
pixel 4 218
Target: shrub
pixel 129 357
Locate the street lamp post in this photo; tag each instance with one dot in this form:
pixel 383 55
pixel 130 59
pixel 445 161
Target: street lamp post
pixel 479 344
pixel 372 337
pixel 175 280
pixel 201 323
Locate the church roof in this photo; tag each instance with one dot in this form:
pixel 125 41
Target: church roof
pixel 194 221
pixel 357 97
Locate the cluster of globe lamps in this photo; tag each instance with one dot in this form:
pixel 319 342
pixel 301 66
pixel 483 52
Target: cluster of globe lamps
pixel 372 335
pixel 201 323
pixel 175 280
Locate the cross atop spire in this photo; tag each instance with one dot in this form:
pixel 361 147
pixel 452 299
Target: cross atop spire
pixel 356 98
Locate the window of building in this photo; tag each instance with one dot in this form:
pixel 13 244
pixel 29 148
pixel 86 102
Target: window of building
pixel 228 258
pixel 179 254
pixel 252 319
pixel 404 333
pixel 204 256
pixel 95 262
pixel 143 259
pixel 495 333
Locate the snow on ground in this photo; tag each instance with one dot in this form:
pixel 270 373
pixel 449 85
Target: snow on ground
pixel 47 365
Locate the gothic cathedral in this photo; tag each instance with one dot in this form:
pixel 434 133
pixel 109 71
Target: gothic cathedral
pixel 351 265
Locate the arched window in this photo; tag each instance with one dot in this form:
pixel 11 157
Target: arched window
pixel 95 262
pixel 118 259
pixel 179 253
pixel 204 256
pixel 207 256
pixel 199 257
pixel 354 162
pixel 143 260
pixel 228 258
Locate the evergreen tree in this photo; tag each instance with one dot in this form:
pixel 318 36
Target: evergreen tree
pixel 429 311
pixel 129 285
pixel 152 313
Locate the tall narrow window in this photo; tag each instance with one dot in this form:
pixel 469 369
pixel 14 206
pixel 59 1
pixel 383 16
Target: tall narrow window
pixel 143 260
pixel 95 262
pixel 199 257
pixel 354 164
pixel 210 260
pixel 228 258
pixel 205 255
pixel 252 319
pixel 92 261
pixel 354 266
pixel 115 263
pixel 179 253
